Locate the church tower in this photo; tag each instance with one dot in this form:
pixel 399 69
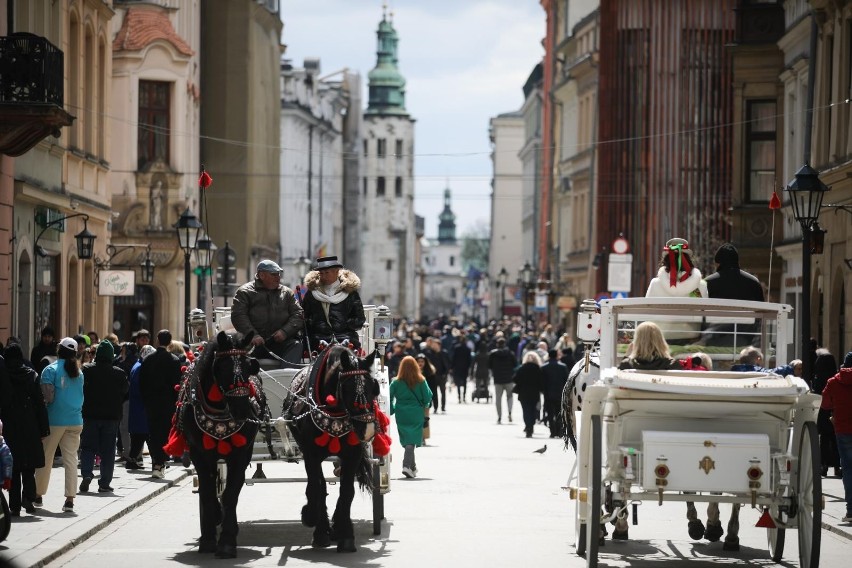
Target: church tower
pixel 388 238
pixel 447 222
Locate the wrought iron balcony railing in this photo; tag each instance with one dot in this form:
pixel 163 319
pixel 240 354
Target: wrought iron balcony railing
pixel 30 70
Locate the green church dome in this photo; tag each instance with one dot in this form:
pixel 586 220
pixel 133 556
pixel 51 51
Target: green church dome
pixel 386 83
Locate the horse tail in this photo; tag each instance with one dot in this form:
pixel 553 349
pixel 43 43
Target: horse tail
pixel 572 399
pixel 364 471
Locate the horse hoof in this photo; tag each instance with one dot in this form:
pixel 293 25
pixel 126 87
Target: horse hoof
pixel 696 530
pixel 732 545
pixel 226 551
pixel 334 533
pixel 347 545
pixel 619 535
pixel 714 532
pixel 206 546
pixel 321 540
pixel 309 519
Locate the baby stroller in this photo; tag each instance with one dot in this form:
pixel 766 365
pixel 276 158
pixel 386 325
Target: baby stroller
pixel 480 390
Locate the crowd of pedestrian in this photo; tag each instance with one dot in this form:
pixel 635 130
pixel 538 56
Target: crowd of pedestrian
pixel 73 402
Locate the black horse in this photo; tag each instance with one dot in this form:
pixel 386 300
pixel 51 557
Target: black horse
pixel 219 409
pixel 333 412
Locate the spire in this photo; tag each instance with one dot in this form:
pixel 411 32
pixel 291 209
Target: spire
pixel 387 85
pixel 447 222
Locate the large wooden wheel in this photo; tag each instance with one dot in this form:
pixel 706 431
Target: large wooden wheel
pixel 809 498
pixel 593 520
pixel 776 536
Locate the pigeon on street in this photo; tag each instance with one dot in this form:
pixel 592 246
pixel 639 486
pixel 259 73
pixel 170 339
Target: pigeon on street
pixel 541 450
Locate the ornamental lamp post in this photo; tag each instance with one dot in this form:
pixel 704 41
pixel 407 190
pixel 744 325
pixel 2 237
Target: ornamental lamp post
pixel 527 277
pixel 502 278
pixel 188 230
pixel 806 193
pixel 204 251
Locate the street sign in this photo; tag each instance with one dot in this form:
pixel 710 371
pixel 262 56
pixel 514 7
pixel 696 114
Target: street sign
pixel 540 302
pixel 619 271
pixel 619 295
pixel 226 255
pixel 116 283
pixel 229 277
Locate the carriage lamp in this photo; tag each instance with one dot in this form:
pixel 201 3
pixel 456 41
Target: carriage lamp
pixel 382 329
pixel 662 472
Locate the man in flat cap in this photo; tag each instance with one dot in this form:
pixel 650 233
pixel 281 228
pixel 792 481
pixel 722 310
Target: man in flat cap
pixel 333 308
pixel 269 309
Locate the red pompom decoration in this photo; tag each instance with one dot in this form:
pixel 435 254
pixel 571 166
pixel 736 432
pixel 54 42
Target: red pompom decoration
pixel 238 440
pixel 352 438
pixel 381 444
pixel 381 417
pixel 334 445
pixel 208 442
pixel 176 444
pixel 177 388
pixel 330 400
pixel 190 356
pixel 200 348
pixel 322 439
pixel 183 368
pixel 214 394
pixel 224 448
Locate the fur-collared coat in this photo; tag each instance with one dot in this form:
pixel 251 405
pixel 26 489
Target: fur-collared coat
pixel 345 317
pixel 694 286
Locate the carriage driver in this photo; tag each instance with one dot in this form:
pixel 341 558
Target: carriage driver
pixel 333 308
pixel 270 310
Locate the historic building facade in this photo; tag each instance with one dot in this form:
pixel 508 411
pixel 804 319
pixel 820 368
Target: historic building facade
pixel 156 81
pixel 506 134
pixel 313 111
pixel 444 274
pixel 388 263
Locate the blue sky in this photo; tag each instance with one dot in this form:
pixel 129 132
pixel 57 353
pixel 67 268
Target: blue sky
pixel 464 62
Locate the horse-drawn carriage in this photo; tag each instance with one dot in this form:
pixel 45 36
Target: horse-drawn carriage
pixel 745 438
pixel 331 407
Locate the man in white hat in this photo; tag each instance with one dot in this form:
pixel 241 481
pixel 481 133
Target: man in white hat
pixel 333 308
pixel 269 309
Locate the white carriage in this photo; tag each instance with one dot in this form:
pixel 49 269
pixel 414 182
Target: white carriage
pixel 275 440
pixel 700 436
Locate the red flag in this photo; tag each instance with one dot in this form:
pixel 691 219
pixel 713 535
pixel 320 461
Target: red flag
pixel 775 202
pixel 204 180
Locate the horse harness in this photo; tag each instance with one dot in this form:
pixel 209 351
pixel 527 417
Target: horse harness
pixel 306 391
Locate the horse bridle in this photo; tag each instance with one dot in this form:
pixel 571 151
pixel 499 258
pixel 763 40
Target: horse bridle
pixel 239 387
pixel 360 394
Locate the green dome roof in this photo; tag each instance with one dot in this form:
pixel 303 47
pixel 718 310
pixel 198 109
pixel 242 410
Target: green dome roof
pixel 386 83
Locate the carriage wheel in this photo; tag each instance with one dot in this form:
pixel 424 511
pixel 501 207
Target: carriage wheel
pixel 594 496
pixel 809 498
pixel 776 537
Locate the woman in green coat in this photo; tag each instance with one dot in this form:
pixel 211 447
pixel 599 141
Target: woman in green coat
pixel 409 395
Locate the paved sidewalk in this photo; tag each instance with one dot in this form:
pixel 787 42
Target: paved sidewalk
pixel 38 539
pixel 835 507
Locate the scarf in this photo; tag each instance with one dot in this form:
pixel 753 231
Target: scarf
pixel 332 295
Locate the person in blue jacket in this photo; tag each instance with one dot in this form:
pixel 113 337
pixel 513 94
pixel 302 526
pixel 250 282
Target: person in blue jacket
pixel 62 386
pixel 409 397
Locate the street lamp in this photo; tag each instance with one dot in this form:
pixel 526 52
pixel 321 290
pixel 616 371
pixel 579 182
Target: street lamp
pixel 302 266
pixel 526 276
pixel 806 193
pixel 85 238
pixel 188 229
pixel 146 267
pixel 204 251
pixel 502 277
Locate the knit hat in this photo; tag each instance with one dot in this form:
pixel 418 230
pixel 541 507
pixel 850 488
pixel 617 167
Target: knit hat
pixel 847 361
pixel 105 352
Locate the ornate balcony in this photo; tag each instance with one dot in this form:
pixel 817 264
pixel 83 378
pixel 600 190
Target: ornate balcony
pixel 31 92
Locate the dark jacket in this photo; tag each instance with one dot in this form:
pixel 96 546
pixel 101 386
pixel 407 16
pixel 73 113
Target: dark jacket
pixel 555 375
pixel 440 360
pixel 262 311
pixel 345 318
pixel 528 382
pixel 502 364
pixel 104 390
pixel 734 284
pixel 461 360
pixel 160 373
pixel 658 364
pixel 24 417
pixel 479 369
pixel 39 352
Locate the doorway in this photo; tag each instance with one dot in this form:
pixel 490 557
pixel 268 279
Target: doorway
pixel 132 313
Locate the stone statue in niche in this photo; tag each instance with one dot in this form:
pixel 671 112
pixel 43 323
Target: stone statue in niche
pixel 156 211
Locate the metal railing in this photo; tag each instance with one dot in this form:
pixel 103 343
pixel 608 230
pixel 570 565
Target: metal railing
pixel 30 70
